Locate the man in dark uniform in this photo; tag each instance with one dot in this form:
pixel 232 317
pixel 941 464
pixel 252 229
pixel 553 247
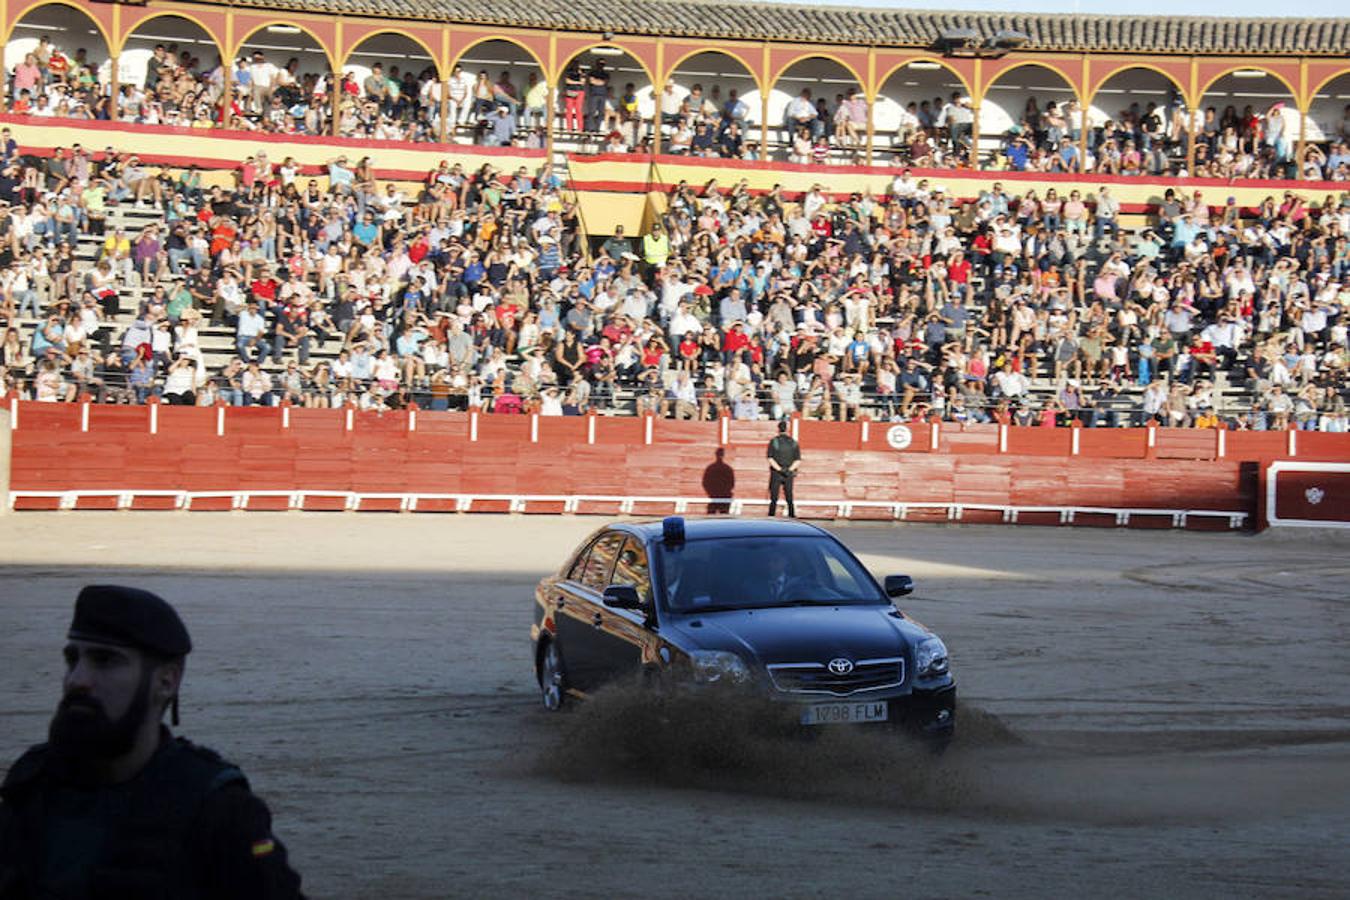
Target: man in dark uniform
pixel 784 458
pixel 113 805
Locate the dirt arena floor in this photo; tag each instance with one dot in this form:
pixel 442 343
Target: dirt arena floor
pixel 1144 714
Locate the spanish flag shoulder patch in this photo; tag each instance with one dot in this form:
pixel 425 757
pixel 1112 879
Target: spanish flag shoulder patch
pixel 263 848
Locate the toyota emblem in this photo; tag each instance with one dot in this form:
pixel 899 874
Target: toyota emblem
pixel 840 666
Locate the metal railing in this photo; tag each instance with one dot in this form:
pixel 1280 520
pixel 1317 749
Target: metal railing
pixel 573 504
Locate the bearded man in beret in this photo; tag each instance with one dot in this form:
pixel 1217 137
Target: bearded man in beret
pixel 115 806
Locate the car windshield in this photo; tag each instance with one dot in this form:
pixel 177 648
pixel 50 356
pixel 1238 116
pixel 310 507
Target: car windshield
pixel 760 572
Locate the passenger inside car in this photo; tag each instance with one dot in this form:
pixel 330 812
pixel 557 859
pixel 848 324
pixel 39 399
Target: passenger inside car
pixel 690 587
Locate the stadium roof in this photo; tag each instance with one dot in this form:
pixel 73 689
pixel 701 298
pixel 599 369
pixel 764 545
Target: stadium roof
pixel 838 25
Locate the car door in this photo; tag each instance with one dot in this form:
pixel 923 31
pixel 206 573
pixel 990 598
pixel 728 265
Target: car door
pixel 580 612
pixel 624 638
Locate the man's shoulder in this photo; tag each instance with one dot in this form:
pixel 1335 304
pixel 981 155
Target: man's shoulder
pixel 25 770
pixel 206 764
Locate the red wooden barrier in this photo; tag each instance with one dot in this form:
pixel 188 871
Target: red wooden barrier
pixel 400 453
pixel 1306 494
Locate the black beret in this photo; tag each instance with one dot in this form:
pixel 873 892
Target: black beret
pixel 129 617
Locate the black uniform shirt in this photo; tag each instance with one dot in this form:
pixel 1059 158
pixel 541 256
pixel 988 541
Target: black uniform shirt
pixel 186 826
pixel 784 451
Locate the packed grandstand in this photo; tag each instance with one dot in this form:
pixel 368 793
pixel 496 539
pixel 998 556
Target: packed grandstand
pixel 479 286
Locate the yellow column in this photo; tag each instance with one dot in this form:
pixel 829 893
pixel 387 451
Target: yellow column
pixel 1304 104
pixel 550 119
pixel 552 78
pixel 871 129
pixel 1194 112
pixel 227 62
pixel 1084 102
pixel 114 86
pixel 335 111
pixel 114 59
pixel 444 111
pixel 4 86
pixel 976 101
pixel 658 89
pixel 764 103
pixel 443 68
pixel 336 65
pixel 872 91
pixel 974 161
pixel 1083 125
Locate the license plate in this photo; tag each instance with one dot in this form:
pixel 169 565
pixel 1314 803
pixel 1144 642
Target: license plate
pixel 840 713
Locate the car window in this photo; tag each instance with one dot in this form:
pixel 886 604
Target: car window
pixel 578 571
pixel 600 562
pixel 631 568
pixel 841 579
pixel 761 571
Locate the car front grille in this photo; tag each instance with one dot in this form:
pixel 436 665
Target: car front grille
pixel 816 678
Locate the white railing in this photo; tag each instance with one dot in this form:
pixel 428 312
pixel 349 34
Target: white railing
pixel 898 510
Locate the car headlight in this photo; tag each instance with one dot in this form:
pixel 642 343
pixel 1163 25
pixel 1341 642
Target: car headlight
pixel 930 657
pixel 718 665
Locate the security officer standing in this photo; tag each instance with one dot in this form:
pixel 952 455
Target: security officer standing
pixel 113 805
pixel 784 458
pixel 655 250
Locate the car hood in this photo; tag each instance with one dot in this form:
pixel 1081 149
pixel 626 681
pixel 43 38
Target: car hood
pixel 804 633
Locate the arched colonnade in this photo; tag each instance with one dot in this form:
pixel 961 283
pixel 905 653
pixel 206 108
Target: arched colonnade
pixel 1090 86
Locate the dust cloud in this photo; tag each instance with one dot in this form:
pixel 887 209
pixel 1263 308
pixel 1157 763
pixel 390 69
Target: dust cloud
pixel 630 736
pixel 730 741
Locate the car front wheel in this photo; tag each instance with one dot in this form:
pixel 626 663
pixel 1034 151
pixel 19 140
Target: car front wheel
pixel 552 677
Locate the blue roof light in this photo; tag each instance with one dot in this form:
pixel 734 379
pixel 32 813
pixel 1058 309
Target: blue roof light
pixel 672 529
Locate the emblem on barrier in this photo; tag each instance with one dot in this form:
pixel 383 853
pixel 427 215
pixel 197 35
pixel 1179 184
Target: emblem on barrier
pixel 899 437
pixel 1314 495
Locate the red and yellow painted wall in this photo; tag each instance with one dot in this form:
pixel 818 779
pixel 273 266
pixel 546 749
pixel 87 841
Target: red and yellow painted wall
pixel 612 189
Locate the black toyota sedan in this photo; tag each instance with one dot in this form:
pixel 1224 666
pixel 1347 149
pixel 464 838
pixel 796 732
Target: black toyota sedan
pixel 778 606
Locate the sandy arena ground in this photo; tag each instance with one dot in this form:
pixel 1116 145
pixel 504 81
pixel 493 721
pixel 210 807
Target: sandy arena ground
pixel 1144 714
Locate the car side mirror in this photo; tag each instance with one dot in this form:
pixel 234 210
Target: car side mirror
pixel 622 596
pixel 899 585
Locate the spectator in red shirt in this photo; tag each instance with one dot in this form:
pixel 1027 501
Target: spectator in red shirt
pixel 756 350
pixel 689 351
pixel 734 342
pixel 653 353
pixel 248 176
pixel 508 312
pixel 264 289
pixel 618 330
pixel 958 268
pixel 1203 360
pixel 420 246
pixel 223 234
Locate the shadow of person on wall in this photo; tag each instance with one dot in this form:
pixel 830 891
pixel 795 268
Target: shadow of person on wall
pixel 719 484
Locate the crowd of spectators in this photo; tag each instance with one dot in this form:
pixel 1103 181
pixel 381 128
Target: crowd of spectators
pixel 1152 139
pixel 474 288
pixel 592 111
pixel 256 94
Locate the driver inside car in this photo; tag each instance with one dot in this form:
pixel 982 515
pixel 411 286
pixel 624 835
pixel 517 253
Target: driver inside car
pixel 786 582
